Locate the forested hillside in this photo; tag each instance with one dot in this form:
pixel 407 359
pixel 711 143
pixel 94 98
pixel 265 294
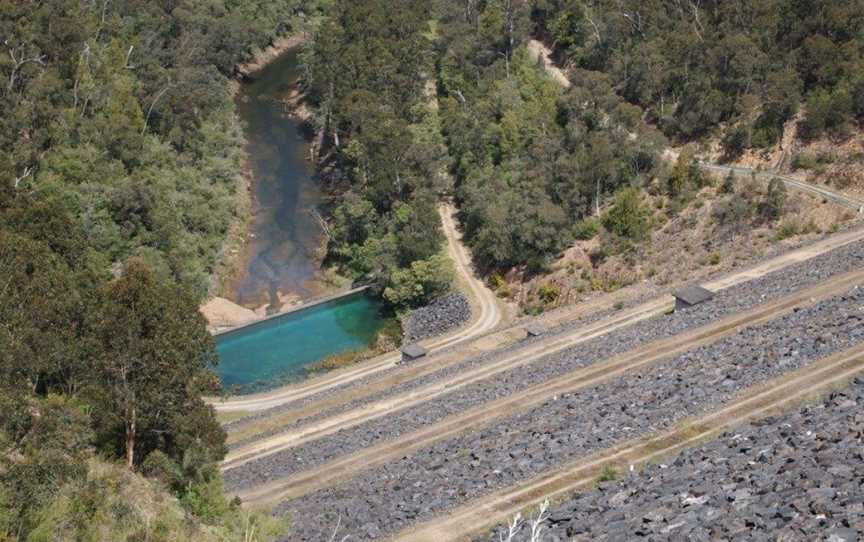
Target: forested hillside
pixel 693 65
pixel 119 114
pixel 120 166
pixel 532 161
pixel 369 66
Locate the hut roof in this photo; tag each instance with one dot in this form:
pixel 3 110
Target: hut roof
pixel 693 295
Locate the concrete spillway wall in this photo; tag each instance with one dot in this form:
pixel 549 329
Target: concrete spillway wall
pixel 295 309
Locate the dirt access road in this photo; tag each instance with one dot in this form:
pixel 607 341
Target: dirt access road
pixel 773 397
pixel 521 356
pixel 487 315
pixel 615 367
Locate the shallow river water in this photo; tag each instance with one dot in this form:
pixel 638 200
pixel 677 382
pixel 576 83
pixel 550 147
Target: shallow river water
pixel 281 257
pixel 285 234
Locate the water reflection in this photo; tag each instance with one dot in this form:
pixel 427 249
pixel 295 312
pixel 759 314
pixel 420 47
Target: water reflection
pixel 278 351
pixel 285 234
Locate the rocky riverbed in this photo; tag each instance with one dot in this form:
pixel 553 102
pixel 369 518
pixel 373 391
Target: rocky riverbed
pixel 444 314
pixel 730 301
pixel 418 486
pixel 791 477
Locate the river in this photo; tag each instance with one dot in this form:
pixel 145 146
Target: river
pixel 281 261
pixel 281 255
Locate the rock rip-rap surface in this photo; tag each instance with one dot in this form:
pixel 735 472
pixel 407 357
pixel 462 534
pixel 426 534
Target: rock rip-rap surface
pixel 449 473
pixel 797 476
pixel 444 314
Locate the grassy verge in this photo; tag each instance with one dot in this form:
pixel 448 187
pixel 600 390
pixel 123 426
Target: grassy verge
pixel 388 339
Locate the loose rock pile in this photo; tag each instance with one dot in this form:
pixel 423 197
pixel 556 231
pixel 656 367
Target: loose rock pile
pixel 446 313
pixel 418 486
pixel 729 301
pixel 793 477
pixel 734 299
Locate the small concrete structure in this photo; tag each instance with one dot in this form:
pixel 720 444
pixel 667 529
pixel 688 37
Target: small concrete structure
pixel 690 296
pixel 413 352
pixel 535 330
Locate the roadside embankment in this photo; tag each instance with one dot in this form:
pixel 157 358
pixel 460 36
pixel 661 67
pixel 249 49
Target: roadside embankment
pixel 786 477
pixel 448 474
pixel 399 421
pixel 444 314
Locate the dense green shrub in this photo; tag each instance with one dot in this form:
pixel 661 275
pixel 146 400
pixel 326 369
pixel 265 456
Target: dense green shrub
pixel 728 184
pixel 772 206
pixel 422 282
pixel 586 229
pixel 628 217
pixel 548 293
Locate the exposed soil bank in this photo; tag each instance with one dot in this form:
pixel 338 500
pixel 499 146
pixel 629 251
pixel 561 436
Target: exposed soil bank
pixel 279 47
pixel 222 313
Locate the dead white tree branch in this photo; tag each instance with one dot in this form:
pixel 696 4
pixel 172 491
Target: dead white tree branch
pixel 153 104
pixel 128 55
pixel 512 529
pixel 596 28
pixel 323 223
pixel 27 172
pixel 695 5
pixel 20 62
pixel 336 532
pixel 536 524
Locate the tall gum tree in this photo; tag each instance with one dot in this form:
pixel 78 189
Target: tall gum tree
pixel 155 358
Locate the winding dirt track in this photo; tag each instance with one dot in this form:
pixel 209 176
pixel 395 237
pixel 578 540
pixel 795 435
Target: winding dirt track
pixel 539 51
pixel 774 396
pixel 518 357
pixel 812 189
pixel 610 369
pixel 488 312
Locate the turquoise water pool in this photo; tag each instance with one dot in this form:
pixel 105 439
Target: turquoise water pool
pixel 278 351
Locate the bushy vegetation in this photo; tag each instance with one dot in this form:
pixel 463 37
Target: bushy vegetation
pixel 531 160
pixel 95 369
pixel 693 65
pixel 627 217
pixel 367 66
pixel 121 113
pixel 118 174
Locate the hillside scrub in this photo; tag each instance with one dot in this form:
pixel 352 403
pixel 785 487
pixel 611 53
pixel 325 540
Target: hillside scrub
pixel 696 66
pixel 386 162
pixel 120 172
pixel 111 503
pixel 531 160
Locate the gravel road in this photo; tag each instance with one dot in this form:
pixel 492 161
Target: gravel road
pixel 730 301
pixel 449 473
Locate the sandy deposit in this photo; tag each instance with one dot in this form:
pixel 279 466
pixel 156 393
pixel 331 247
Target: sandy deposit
pixel 222 313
